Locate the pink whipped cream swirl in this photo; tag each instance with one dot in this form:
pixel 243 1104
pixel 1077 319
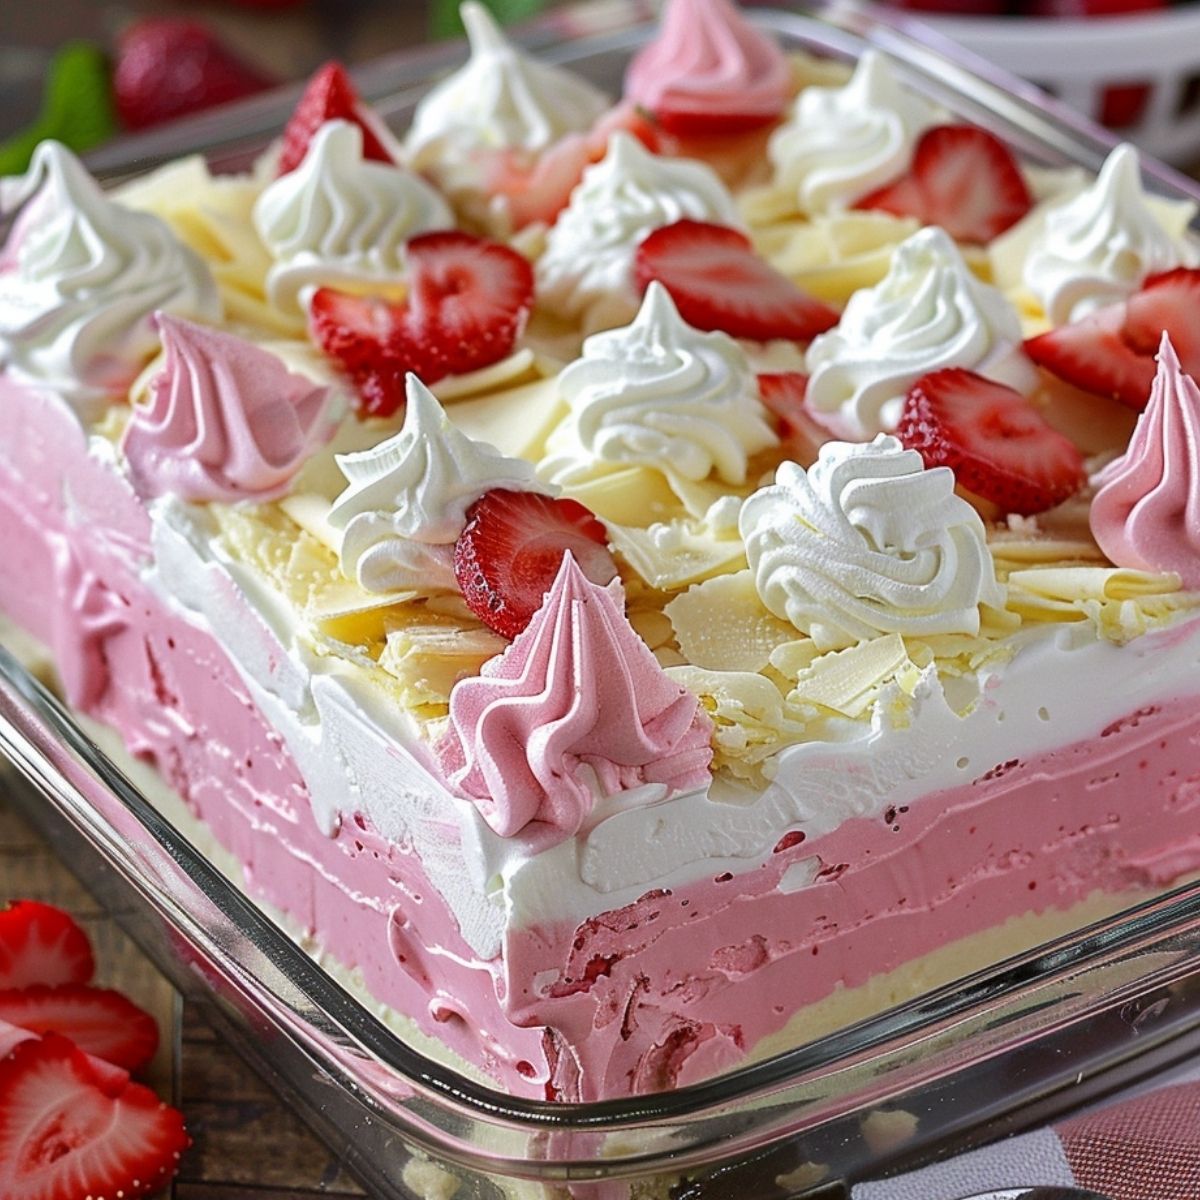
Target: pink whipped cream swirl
pixel 710 64
pixel 1146 513
pixel 226 419
pixel 577 708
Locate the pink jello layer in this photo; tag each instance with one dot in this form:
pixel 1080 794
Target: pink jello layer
pixel 659 993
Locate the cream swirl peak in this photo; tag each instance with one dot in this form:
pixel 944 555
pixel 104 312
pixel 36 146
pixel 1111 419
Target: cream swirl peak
pixel 406 499
pixel 930 311
pixel 1099 246
pixel 1146 512
pixel 660 394
pixel 588 261
pixel 841 143
pixel 868 542
pixel 80 280
pixel 708 63
pixel 501 99
pixel 576 709
pixel 226 420
pixel 340 218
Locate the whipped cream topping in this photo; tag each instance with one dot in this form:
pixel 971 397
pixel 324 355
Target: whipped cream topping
pixel 628 194
pixel 658 393
pixel 81 279
pixel 1146 511
pixel 1098 247
pixel 867 541
pixel 577 708
pixel 340 218
pixel 226 420
pixel 406 499
pixel 929 312
pixel 841 143
pixel 709 61
pixel 501 99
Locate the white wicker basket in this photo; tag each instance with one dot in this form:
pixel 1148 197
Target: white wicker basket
pixel 1077 59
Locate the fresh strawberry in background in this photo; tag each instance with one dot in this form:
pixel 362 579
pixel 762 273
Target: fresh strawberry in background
pixel 168 67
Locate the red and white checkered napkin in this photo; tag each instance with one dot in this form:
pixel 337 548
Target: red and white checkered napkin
pixel 1143 1144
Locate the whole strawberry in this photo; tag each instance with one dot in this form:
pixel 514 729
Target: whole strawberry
pixel 167 68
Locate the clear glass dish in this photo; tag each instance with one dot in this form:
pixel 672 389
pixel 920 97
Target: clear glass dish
pixel 1001 1048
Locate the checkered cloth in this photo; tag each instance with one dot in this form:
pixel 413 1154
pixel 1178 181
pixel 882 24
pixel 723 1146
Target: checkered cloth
pixel 1142 1145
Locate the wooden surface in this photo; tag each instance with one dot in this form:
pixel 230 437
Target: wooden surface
pixel 247 1145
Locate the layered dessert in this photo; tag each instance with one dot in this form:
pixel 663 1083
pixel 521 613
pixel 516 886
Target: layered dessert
pixel 632 583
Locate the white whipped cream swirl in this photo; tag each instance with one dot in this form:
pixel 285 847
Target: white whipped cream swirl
pixel 80 280
pixel 868 542
pixel 588 262
pixel 407 498
pixel 929 312
pixel 339 218
pixel 1099 247
pixel 841 143
pixel 658 393
pixel 501 99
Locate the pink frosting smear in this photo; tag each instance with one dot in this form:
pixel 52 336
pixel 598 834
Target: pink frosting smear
pixel 226 420
pixel 577 689
pixel 709 60
pixel 1146 513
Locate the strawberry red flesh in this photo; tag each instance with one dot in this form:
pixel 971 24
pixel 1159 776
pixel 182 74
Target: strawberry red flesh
pixel 994 440
pixel 329 96
pixel 511 548
pixel 100 1022
pixel 962 178
pixel 41 944
pixel 718 282
pixel 1111 352
pixel 68 1131
pixel 783 395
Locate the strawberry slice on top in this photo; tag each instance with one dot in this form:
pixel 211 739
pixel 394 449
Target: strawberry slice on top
pixel 962 178
pixel 718 282
pixel 996 442
pixel 1112 351
pixel 41 944
pixel 330 96
pixel 468 302
pixel 511 548
pixel 68 1131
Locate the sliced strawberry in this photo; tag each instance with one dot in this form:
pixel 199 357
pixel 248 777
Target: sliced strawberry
pixel 718 282
pixel 962 178
pixel 1111 352
pixel 468 303
pixel 99 1021
pixel 511 548
pixel 41 944
pixel 330 96
pixel 783 395
pixel 994 440
pixel 69 1132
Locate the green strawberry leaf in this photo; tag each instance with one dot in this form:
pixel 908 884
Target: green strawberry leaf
pixel 444 21
pixel 77 107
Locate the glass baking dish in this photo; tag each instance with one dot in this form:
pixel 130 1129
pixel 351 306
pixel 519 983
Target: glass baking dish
pixel 1004 1047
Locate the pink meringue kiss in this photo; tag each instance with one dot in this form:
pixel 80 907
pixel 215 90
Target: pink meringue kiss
pixel 577 708
pixel 226 420
pixel 710 71
pixel 1146 513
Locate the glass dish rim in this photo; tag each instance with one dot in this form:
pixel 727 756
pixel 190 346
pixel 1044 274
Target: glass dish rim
pixel 1159 918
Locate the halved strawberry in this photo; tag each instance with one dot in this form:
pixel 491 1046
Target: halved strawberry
pixel 783 395
pixel 1111 352
pixel 962 178
pixel 69 1132
pixel 994 440
pixel 41 944
pixel 510 550
pixel 330 96
pixel 99 1021
pixel 467 304
pixel 718 282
